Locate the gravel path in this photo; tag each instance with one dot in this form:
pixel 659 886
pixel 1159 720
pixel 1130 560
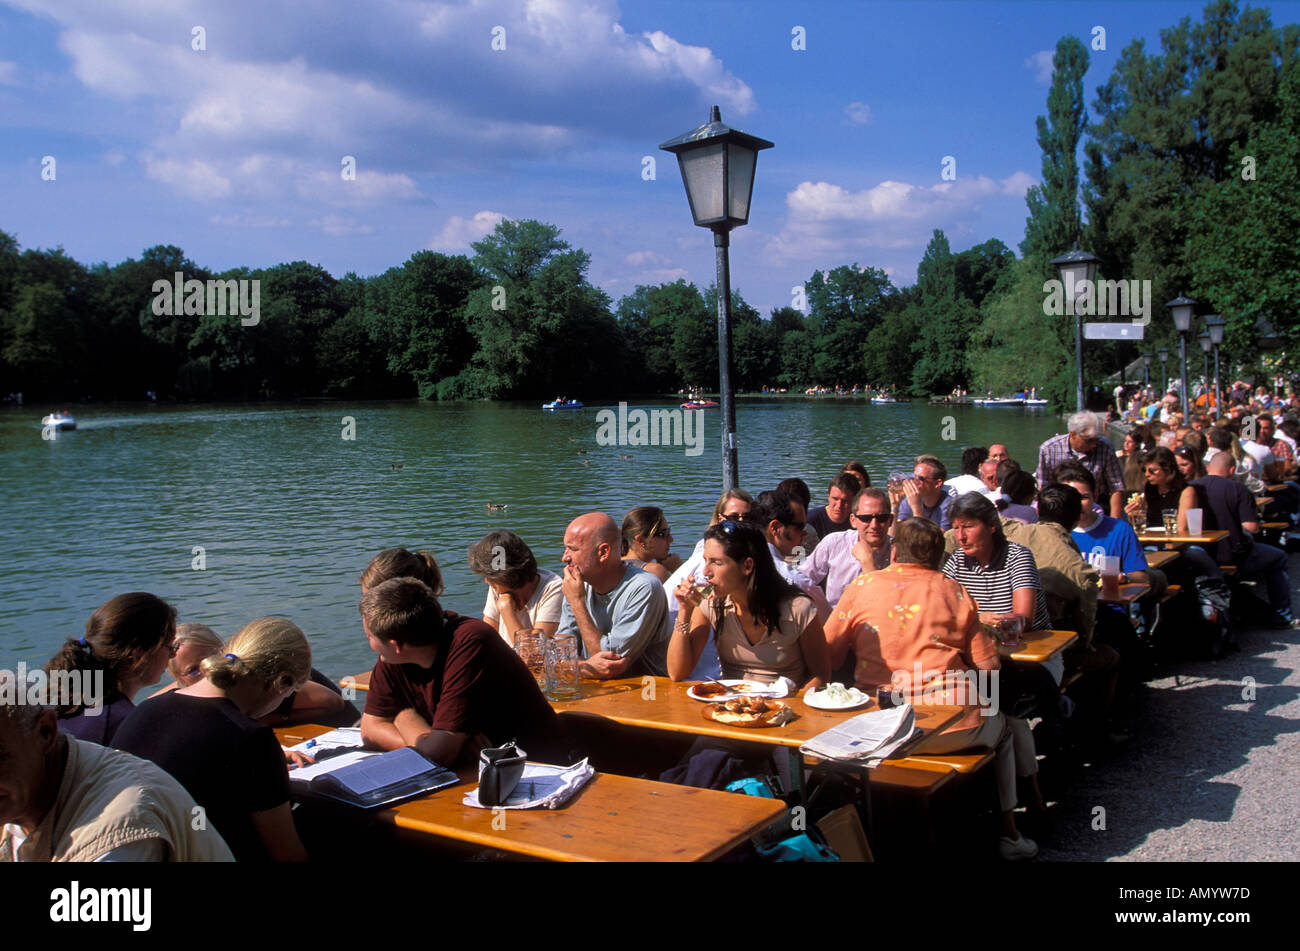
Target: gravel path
pixel 1211 773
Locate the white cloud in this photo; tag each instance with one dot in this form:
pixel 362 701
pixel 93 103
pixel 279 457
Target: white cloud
pixel 646 259
pixel 113 158
pixel 250 221
pixel 337 226
pixel 459 233
pixel 857 113
pixel 263 111
pixel 1041 64
pixel 825 221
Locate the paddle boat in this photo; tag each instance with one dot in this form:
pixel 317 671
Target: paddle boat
pixel 700 404
pixel 59 420
pixel 886 399
pixel 566 404
pixel 1035 402
pixel 997 402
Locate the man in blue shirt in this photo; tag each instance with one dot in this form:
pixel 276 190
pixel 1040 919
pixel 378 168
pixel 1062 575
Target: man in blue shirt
pixel 924 494
pixel 1100 535
pixel 620 612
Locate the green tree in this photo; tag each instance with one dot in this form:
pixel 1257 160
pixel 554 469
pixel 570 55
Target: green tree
pixel 1013 347
pixel 946 322
pixel 1053 225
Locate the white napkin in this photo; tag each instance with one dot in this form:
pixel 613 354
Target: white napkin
pixel 542 786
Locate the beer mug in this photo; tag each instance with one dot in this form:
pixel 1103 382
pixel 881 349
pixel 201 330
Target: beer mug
pixel 562 680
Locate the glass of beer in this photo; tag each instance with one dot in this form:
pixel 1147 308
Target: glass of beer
pixel 1170 518
pixel 562 680
pixel 530 646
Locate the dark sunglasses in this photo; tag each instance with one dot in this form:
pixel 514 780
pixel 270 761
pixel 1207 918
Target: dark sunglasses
pixel 733 517
pixel 884 518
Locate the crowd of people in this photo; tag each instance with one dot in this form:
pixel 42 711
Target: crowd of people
pixel 932 571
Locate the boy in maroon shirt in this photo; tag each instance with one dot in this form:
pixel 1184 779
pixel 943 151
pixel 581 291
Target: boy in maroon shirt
pixel 447 685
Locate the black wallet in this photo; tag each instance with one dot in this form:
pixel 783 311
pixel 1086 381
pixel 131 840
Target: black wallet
pixel 499 770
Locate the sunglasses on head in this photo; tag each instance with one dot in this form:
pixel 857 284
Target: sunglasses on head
pixel 884 518
pixel 662 533
pixel 729 526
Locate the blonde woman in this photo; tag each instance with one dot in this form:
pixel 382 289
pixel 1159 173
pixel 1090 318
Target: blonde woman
pixel 208 737
pixel 193 642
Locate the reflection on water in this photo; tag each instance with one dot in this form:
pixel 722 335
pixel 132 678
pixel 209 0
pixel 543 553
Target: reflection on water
pixel 287 513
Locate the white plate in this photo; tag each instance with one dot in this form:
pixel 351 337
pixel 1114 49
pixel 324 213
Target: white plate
pixel 823 703
pixel 749 688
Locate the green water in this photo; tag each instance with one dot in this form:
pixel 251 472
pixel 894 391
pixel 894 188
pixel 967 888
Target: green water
pixel 288 513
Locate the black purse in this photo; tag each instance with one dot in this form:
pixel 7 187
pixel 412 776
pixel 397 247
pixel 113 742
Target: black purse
pixel 499 771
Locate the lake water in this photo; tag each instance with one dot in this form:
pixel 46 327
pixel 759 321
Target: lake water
pixel 289 513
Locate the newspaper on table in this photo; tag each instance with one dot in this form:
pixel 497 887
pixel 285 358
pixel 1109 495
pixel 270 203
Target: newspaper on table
pixel 542 786
pixel 867 738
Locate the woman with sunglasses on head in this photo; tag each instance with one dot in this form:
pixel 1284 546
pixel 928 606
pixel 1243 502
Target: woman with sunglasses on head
pixel 128 642
pixel 766 627
pixel 1165 490
pixel 646 540
pixel 1190 464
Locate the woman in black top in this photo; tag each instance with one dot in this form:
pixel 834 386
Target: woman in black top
pixel 1165 489
pixel 208 737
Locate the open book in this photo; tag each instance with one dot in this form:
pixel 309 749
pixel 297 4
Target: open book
pixel 347 773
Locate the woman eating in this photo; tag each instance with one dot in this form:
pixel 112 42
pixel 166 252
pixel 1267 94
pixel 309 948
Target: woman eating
pixel 767 628
pixel 521 595
pixel 207 735
pixel 646 540
pixel 1165 490
pixel 130 639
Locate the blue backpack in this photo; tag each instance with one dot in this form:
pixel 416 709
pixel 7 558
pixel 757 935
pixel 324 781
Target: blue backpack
pixel 780 843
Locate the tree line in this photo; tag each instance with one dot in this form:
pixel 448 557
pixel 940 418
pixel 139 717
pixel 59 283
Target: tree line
pixel 1191 180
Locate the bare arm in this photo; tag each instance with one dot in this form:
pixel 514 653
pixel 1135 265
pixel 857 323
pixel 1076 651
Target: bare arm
pixel 1024 601
pixel 816 655
pixel 276 829
pixel 689 634
pixel 311 702
pixel 380 733
pixel 1117 504
pixel 440 746
pixel 575 595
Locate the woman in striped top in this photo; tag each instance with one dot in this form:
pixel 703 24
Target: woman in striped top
pixel 999 575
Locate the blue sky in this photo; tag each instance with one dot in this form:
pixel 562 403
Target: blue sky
pixel 234 152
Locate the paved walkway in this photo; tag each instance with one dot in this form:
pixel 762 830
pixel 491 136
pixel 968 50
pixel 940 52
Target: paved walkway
pixel 1212 773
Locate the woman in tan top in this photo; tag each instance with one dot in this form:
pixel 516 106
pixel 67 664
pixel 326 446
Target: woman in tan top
pixel 767 628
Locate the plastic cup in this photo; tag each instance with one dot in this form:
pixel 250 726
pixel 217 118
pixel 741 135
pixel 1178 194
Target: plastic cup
pixel 1194 521
pixel 1110 576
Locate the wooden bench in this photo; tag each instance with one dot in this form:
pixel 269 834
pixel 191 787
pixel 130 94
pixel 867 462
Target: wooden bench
pixel 948 762
pixel 356 681
pixel 1171 592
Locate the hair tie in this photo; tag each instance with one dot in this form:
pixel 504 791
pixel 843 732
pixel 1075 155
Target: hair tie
pixel 231 657
pixel 82 641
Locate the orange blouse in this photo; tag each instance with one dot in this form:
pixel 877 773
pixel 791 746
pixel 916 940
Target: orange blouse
pixel 908 626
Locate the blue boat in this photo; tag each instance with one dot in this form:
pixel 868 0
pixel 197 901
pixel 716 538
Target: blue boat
pixel 567 404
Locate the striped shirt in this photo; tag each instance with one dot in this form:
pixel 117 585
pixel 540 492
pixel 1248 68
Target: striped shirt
pixel 1012 568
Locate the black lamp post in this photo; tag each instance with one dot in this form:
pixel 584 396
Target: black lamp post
pixel 1181 308
pixel 1163 354
pixel 1204 338
pixel 1214 325
pixel 1077 269
pixel 717 164
pixel 1146 369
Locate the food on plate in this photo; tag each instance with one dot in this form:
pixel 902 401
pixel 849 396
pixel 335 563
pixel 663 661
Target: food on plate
pixel 839 695
pixel 742 710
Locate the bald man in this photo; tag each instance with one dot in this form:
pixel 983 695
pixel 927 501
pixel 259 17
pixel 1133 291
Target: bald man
pixel 619 611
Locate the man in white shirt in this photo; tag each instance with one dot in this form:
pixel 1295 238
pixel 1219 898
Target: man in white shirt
pixel 972 458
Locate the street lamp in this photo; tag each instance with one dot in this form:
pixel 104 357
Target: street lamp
pixel 1163 354
pixel 1146 369
pixel 717 165
pixel 1214 325
pixel 1077 270
pixel 1181 308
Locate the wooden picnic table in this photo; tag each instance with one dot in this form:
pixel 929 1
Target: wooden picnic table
pixel 1159 559
pixel 657 703
pixel 614 818
pixel 1207 537
pixel 1040 646
pixel 1128 593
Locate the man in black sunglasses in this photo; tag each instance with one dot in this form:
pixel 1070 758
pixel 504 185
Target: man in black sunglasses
pixel 782 521
pixel 844 555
